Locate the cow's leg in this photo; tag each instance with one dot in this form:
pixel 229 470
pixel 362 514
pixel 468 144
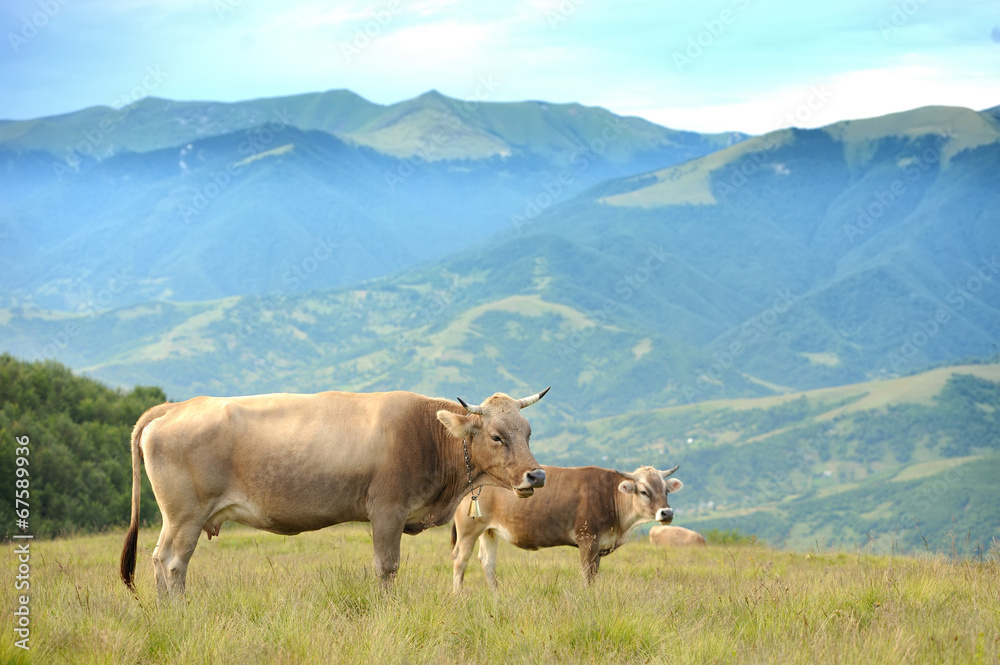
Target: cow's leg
pixel 161 553
pixel 590 556
pixel 386 534
pixel 488 557
pixel 172 554
pixel 185 540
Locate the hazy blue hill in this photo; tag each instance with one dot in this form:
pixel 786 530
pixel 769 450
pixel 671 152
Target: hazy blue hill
pixel 153 123
pixel 557 132
pixel 240 195
pixel 869 231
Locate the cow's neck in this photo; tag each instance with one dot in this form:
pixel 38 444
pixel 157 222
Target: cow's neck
pixel 453 477
pixel 627 517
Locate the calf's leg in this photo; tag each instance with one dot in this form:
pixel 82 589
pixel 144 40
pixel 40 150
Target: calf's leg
pixel 488 557
pixel 466 531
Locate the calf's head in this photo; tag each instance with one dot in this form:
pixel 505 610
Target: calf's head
pixel 496 436
pixel 648 489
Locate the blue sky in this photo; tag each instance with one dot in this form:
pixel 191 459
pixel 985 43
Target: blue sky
pixel 711 65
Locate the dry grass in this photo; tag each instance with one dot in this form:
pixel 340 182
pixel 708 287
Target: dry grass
pixel 254 597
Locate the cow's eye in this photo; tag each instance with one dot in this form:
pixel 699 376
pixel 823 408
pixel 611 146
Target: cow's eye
pixel 644 493
pixel 497 438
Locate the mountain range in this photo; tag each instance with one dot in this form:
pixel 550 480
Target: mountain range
pixel 195 201
pixel 795 260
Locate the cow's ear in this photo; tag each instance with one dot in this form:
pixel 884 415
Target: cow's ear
pixel 673 485
pixel 626 487
pixel 460 426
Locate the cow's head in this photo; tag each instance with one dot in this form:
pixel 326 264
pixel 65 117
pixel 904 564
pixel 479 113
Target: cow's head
pixel 497 439
pixel 648 489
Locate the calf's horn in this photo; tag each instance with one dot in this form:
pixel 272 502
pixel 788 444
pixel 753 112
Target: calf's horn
pixel 528 401
pixel 667 474
pixel 478 410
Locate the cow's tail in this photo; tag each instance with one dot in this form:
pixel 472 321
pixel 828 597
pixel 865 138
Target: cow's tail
pixel 132 537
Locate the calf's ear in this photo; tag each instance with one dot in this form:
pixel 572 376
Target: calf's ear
pixel 626 487
pixel 460 426
pixel 673 485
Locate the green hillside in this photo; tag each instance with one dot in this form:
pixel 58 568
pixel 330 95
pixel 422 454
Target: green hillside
pixel 79 466
pixel 905 465
pixel 477 327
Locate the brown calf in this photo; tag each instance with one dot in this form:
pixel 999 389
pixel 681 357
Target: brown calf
pixel 586 507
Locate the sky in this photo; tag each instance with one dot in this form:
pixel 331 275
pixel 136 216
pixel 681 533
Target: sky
pixel 710 65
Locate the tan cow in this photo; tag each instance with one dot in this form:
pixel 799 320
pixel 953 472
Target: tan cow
pixel 675 536
pixel 290 463
pixel 586 507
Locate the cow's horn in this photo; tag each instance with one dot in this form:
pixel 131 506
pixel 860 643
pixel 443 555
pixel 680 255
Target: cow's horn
pixel 626 475
pixel 478 410
pixel 667 474
pixel 528 401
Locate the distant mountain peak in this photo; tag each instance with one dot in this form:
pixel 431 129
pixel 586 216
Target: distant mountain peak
pixel 433 95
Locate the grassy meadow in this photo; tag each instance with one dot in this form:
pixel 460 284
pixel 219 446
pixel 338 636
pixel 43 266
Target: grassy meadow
pixel 256 597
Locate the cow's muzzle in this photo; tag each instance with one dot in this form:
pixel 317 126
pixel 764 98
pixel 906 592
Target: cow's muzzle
pixel 665 515
pixel 532 479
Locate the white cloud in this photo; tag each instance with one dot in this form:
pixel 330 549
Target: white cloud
pixel 429 7
pixel 848 95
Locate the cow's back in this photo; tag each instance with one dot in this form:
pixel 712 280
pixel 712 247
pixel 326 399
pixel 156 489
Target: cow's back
pixel 675 536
